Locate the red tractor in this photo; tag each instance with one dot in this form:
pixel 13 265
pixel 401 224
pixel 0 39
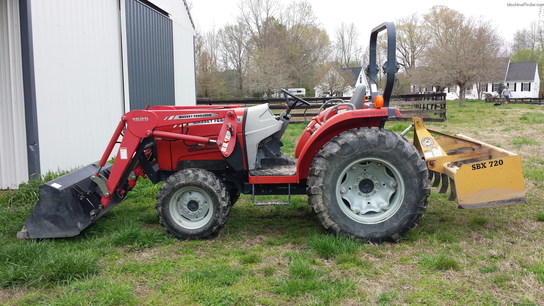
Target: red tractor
pixel 362 180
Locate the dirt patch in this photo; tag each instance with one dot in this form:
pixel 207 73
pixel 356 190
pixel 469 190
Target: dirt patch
pixel 3 192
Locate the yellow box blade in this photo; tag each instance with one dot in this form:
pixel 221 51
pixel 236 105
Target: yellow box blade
pixel 483 175
pixel 491 183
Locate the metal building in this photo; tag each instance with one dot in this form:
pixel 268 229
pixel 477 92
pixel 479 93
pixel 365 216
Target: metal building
pixel 69 70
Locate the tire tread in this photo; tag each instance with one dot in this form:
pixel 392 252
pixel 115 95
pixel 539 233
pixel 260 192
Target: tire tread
pixel 347 144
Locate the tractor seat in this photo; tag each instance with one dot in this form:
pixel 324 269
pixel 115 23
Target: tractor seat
pixel 358 97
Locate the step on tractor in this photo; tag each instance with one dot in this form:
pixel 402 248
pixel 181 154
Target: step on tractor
pixel 362 180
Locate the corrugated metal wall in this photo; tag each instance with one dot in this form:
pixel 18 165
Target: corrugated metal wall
pixel 184 53
pixel 150 56
pixel 13 156
pixel 80 80
pixel 78 73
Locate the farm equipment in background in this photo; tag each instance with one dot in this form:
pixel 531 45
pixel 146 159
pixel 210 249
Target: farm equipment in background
pixel 362 180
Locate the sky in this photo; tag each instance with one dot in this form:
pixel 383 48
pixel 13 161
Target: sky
pixel 506 15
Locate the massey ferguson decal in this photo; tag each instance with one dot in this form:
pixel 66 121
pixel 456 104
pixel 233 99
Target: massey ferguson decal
pixel 205 115
pixel 191 116
pixel 214 121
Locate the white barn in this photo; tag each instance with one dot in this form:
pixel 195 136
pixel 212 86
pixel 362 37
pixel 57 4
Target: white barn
pixel 70 69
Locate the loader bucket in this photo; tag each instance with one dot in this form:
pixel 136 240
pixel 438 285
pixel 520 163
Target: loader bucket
pixel 478 174
pixel 67 205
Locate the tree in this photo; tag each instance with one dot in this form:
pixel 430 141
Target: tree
pixel 411 42
pixel 522 40
pixel 458 51
pixel 528 45
pixel 233 39
pixel 267 71
pixel 208 73
pixel 531 38
pixel 283 50
pixel 530 55
pixel 347 52
pixel 306 45
pixel 333 81
pixel 255 14
pixel 486 50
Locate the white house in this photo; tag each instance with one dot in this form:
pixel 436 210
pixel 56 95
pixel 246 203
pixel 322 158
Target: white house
pixel 70 69
pixel 333 79
pixel 522 78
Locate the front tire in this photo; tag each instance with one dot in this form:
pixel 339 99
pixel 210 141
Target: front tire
pixel 369 184
pixel 193 204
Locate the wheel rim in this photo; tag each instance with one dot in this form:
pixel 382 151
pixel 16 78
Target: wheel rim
pixel 370 190
pixel 191 207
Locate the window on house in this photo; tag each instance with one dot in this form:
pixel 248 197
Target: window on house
pixel 496 87
pixel 525 86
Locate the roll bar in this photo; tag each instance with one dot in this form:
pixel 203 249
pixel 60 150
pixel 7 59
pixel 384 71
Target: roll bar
pixel 390 67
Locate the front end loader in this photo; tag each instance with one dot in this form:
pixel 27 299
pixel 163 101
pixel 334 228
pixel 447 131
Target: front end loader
pixel 362 180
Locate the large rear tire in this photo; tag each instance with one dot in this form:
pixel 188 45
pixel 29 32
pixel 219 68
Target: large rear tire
pixel 193 204
pixel 369 184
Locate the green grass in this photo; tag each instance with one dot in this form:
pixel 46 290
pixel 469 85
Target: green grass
pixel 532 118
pixel 283 256
pixel 134 238
pixel 489 269
pixel 330 246
pixel 525 141
pixel 387 298
pixel 307 277
pixel 440 262
pixel 44 263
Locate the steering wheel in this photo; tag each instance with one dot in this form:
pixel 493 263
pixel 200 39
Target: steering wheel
pixel 297 102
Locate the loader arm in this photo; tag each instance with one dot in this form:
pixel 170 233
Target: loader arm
pixel 140 125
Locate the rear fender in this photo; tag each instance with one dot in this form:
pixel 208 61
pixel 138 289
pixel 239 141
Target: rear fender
pixel 312 140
